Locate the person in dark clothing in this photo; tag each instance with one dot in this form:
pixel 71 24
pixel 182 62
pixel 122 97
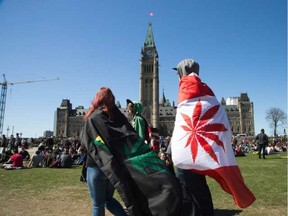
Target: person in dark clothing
pixel 50 143
pixel 195 183
pixel 120 157
pixel 36 160
pixel 4 141
pixel 198 189
pixel 262 139
pixel 100 188
pixel 65 160
pixel 195 191
pixel 24 153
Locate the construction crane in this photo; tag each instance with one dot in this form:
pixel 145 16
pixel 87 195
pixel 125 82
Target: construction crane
pixel 4 94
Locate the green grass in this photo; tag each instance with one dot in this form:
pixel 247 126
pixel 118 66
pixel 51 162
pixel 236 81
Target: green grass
pixel 46 191
pixel 267 179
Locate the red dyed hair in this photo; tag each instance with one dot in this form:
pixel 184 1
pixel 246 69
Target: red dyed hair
pixel 103 100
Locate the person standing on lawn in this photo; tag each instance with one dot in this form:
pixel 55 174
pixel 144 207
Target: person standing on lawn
pixel 100 188
pixel 201 141
pixel 262 139
pixel 141 179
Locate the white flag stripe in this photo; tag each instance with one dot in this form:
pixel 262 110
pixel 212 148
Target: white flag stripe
pixel 182 156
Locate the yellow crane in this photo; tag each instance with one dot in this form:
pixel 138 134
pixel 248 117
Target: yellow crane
pixel 4 94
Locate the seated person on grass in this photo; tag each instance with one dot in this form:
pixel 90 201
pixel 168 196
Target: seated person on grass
pixel 24 153
pixel 36 160
pixel 15 161
pixel 65 159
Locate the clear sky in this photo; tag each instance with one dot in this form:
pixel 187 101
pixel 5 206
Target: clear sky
pixel 241 46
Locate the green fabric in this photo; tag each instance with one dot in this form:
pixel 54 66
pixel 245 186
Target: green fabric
pixel 143 181
pixel 138 122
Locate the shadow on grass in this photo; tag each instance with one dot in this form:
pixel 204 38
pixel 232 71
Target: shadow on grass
pixel 226 212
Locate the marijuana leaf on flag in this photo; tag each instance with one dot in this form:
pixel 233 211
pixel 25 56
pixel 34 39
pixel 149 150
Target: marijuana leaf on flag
pixel 199 127
pixel 201 139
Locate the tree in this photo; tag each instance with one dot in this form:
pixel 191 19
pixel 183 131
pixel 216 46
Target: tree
pixel 276 118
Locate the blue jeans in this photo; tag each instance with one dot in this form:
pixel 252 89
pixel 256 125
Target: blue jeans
pixel 101 191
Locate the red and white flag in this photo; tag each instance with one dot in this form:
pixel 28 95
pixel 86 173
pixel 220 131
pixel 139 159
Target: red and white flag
pixel 201 139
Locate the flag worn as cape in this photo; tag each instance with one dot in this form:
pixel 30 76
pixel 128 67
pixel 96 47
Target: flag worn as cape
pixel 142 180
pixel 201 139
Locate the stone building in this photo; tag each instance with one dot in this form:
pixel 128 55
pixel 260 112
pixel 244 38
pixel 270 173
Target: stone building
pixel 68 121
pixel 159 113
pixel 240 112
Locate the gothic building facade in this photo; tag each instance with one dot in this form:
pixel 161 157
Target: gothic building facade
pixel 240 112
pixel 68 121
pixel 159 113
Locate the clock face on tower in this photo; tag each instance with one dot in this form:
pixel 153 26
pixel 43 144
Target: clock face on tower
pixel 149 53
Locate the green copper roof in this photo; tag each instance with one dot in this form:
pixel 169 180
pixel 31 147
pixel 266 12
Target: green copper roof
pixel 149 41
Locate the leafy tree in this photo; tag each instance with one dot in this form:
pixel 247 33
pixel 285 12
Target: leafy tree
pixel 276 118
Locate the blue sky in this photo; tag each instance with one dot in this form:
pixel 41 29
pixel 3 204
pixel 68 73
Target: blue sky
pixel 241 46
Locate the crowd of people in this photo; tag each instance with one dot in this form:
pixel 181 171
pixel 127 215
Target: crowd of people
pixel 15 154
pixel 55 155
pixel 244 145
pixel 123 154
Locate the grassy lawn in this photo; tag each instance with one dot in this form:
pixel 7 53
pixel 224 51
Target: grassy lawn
pixel 267 179
pixel 46 191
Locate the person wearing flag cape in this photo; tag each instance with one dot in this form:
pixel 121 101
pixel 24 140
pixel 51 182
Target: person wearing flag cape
pixel 201 139
pixel 142 180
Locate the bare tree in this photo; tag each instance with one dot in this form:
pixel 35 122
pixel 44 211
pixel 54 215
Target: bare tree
pixel 276 118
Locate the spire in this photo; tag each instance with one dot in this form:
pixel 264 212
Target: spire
pixel 163 100
pixel 223 102
pixel 149 41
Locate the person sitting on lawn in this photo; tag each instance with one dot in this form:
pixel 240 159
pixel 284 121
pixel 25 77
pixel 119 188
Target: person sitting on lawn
pixel 15 161
pixel 24 153
pixel 239 151
pixel 80 157
pixel 36 160
pixel 48 157
pixel 65 160
pixel 55 158
pixel 5 156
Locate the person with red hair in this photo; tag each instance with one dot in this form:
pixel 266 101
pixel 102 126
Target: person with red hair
pixel 100 188
pixel 117 156
pixel 104 100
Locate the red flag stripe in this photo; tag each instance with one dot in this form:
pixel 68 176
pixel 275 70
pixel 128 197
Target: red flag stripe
pixel 231 181
pixel 191 87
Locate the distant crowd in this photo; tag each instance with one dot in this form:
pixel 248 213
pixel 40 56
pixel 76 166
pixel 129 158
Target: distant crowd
pixel 243 145
pixel 65 153
pixel 14 153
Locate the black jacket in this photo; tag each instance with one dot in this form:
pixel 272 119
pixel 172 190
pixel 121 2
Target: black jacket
pixel 137 173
